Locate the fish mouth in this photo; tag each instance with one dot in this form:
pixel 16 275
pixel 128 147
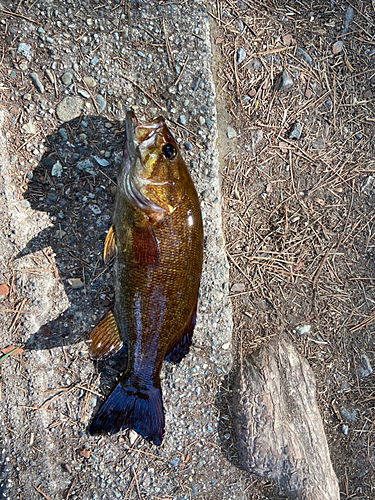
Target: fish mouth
pixel 136 133
pixel 145 131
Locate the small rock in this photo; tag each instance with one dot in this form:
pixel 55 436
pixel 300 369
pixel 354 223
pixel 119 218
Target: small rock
pixel 365 368
pixel 350 415
pixel 59 234
pixel 194 489
pixel 174 462
pixel 296 131
pixel 4 290
pixel 89 81
pixel 29 128
pixel 75 283
pixel 69 108
pixel 63 134
pixel 182 119
pixel 86 165
pixel 368 94
pixel 226 346
pixel 318 143
pixel 348 19
pixel 67 78
pixel 252 92
pixel 231 133
pixel 305 56
pixel 37 83
pixel 238 287
pixel 287 39
pixel 133 436
pixel 286 81
pixel 241 55
pixel 206 194
pixel 94 61
pixel 337 47
pixel 101 102
pixel 368 187
pixel 84 93
pixel 345 429
pixel 52 196
pixel 308 93
pixel 102 162
pixel 95 209
pixel 303 329
pixel 25 50
pixel 57 169
pixel 188 146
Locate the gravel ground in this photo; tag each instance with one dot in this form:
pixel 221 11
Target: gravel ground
pixel 87 63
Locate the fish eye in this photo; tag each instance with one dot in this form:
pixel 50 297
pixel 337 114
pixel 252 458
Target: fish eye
pixel 169 151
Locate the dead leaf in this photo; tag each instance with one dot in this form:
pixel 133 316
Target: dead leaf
pixel 287 39
pixel 84 453
pixel 4 290
pixel 298 267
pixel 320 202
pixel 7 350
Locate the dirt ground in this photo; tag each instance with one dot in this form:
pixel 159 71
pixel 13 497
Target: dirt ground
pixel 299 212
pixel 299 190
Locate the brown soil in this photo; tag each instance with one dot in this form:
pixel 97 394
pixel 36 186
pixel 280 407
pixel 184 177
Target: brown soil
pixel 299 214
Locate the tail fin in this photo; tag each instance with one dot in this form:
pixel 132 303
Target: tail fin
pixel 129 407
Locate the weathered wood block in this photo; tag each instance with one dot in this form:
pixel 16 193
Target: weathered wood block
pixel 279 430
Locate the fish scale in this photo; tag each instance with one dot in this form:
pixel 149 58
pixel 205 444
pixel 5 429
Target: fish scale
pixel 157 242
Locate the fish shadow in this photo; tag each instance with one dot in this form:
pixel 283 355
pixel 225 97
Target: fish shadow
pixel 75 184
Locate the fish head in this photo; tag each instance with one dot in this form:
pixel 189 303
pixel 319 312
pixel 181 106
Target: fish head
pixel 157 170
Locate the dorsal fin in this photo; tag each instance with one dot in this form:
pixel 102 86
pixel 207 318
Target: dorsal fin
pixel 180 347
pixel 105 338
pixel 109 245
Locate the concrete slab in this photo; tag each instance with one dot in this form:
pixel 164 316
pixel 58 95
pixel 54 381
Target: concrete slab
pixel 153 57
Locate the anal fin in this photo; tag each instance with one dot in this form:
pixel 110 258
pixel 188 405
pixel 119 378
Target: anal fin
pixel 180 347
pixel 109 246
pixel 105 338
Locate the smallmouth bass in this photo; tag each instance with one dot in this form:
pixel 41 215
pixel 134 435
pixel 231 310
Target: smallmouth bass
pixel 157 242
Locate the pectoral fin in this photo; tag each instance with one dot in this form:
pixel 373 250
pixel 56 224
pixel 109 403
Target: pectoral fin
pixel 109 246
pixel 145 244
pixel 105 338
pixel 180 347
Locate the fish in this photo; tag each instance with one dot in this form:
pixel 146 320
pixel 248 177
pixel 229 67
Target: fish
pixel 156 241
